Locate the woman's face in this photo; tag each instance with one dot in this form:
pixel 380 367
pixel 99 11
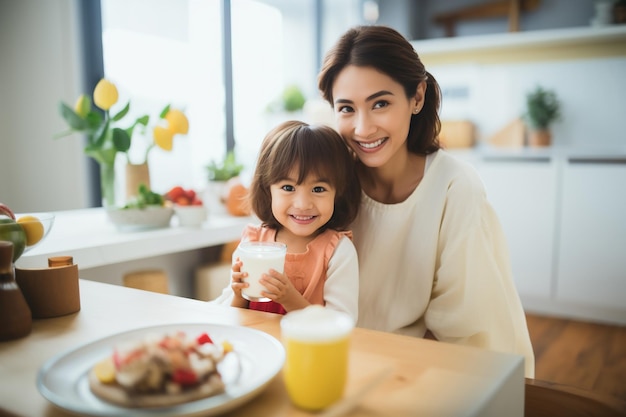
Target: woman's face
pixel 372 113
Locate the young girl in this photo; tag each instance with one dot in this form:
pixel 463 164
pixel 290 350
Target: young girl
pixel 432 254
pixel 305 192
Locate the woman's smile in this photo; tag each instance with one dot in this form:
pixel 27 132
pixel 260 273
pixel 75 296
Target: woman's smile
pixel 370 146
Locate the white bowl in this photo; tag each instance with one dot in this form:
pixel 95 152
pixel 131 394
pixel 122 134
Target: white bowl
pixel 131 219
pixel 190 216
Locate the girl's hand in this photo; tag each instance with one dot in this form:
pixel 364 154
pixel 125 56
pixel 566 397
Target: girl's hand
pixel 237 284
pixel 281 290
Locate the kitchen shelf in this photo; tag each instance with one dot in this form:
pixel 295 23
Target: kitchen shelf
pixel 93 241
pixel 539 45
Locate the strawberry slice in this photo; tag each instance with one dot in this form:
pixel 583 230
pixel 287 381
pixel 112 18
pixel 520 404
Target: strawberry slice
pixel 184 377
pixel 204 338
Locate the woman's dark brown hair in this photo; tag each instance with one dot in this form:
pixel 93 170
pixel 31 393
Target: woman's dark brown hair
pixel 387 51
pixel 318 150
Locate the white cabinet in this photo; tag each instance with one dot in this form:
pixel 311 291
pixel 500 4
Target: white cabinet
pixel 592 260
pixel 564 217
pixel 522 191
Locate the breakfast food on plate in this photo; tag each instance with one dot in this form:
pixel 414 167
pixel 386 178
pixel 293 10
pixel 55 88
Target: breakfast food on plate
pixel 160 371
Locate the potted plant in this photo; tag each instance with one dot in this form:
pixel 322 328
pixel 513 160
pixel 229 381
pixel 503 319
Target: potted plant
pixel 225 170
pixel 219 175
pixel 291 100
pixel 542 110
pixel 106 138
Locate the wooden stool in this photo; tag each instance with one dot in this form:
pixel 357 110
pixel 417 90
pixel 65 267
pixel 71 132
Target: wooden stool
pixel 154 280
pixel 211 279
pixel 227 251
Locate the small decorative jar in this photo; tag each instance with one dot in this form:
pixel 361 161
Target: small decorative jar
pixel 15 316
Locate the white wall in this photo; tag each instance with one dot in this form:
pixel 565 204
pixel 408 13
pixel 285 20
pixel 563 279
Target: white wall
pixel 38 67
pixel 592 93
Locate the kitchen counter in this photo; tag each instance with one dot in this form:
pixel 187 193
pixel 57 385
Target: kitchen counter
pixel 92 240
pixel 571 153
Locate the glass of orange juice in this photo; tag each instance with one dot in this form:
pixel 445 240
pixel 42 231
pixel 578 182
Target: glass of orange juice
pixel 317 342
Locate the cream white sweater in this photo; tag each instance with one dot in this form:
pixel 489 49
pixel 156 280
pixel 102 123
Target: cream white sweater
pixel 439 261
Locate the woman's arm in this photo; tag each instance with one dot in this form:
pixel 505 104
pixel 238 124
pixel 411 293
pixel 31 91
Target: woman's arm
pixel 474 301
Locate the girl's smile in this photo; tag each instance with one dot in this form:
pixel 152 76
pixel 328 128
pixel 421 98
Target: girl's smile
pixel 302 208
pixel 302 219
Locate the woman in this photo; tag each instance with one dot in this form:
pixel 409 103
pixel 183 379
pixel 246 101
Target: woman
pixel 433 258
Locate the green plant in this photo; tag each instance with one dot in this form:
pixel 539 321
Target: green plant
pixel 542 108
pixel 292 99
pixel 104 138
pixel 225 170
pixel 144 198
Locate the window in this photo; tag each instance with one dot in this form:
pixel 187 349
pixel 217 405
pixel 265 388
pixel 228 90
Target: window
pixel 160 52
pixel 172 51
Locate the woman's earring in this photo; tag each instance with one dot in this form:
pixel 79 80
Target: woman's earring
pixel 415 111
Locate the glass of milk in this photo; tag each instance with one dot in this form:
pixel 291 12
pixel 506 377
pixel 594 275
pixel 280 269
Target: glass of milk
pixel 257 259
pixel 316 341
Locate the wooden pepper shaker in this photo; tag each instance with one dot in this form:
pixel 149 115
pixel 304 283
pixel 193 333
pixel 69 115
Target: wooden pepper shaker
pixel 15 316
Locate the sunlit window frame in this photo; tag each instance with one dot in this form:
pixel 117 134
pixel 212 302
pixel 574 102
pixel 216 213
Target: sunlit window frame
pixel 93 67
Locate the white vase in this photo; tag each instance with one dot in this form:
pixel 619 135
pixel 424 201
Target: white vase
pixel 136 174
pixel 604 13
pixel 214 197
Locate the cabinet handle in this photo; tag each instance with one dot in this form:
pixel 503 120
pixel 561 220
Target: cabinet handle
pixel 605 161
pixel 513 159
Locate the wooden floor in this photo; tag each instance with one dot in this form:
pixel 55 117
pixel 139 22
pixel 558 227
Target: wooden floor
pixel 585 355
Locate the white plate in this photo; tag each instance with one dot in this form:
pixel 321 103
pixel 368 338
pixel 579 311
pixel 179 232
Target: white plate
pixel 63 380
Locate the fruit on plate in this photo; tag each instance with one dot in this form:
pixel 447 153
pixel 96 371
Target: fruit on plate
pixel 160 371
pixel 183 197
pixel 13 232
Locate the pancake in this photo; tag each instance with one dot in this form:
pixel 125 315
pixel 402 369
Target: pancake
pixel 117 394
pixel 160 371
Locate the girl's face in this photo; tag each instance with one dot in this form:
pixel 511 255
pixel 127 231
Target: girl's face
pixel 373 113
pixel 302 208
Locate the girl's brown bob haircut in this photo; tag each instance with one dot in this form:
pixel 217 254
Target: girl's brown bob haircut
pixel 318 150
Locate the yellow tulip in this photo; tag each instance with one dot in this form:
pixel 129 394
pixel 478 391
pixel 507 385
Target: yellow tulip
pixel 177 122
pixel 82 106
pixel 164 138
pixel 105 94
